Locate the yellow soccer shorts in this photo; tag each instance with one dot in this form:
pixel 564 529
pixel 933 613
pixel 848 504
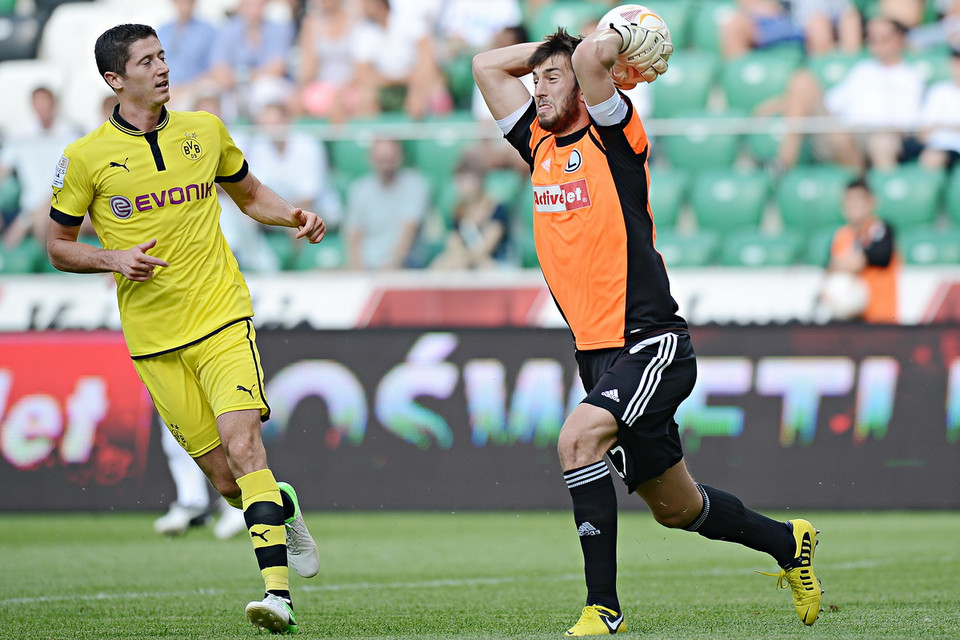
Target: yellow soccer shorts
pixel 193 385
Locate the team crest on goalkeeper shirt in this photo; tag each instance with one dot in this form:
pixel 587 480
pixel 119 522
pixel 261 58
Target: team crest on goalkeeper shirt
pixel 191 147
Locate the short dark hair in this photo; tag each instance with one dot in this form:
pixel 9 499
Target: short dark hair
pixel 859 183
pixel 560 43
pixel 112 49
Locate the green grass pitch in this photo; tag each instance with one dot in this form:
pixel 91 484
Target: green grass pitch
pixel 471 575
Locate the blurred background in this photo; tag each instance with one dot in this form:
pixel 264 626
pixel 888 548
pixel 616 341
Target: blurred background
pixel 803 186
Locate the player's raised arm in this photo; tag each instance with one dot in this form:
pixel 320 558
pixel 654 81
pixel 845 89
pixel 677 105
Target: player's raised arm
pixel 497 73
pixel 264 205
pixel 592 61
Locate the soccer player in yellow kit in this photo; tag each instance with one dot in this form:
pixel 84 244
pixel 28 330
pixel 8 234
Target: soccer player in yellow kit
pixel 147 178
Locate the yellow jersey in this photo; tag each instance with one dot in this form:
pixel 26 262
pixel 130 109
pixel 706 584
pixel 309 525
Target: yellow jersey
pixel 160 184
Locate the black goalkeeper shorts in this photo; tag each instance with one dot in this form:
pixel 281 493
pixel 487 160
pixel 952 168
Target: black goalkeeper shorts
pixel 642 384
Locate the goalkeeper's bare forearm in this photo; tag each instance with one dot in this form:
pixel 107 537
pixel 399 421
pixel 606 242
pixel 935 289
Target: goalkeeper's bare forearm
pixel 497 73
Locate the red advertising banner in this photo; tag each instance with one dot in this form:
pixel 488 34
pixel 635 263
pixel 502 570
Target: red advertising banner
pixel 74 418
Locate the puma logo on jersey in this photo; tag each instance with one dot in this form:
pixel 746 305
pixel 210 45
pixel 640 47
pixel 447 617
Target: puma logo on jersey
pixel 121 165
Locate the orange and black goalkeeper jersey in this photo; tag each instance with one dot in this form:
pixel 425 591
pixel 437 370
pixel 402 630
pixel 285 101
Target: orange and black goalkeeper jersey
pixel 594 230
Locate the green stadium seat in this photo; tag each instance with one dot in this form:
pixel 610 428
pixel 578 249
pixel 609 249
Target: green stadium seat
pixel 830 68
pixel 504 185
pixel 687 249
pixel 701 146
pixel 723 200
pixel 812 197
pixel 705 27
pixel 329 254
pixel 907 196
pixel 351 155
pixel 668 192
pixel 953 197
pixel 10 194
pixel 282 246
pixel 678 15
pixel 758 76
pixel 753 248
pixel 764 147
pixel 572 15
pixel 930 246
pixel 437 156
pixel 686 85
pixel 26 257
pixel 459 74
pixel 19 37
pixel 933 66
pixel 817 250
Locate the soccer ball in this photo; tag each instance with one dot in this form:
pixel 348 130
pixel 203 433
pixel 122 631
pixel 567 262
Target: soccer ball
pixel 626 76
pixel 844 296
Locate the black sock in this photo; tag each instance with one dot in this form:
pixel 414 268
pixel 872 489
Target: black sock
pixel 282 594
pixel 595 514
pixel 725 518
pixel 288 509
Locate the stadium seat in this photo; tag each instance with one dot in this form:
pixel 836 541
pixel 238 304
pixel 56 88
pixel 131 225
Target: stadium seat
pixel 812 197
pixel 47 6
pixel 572 15
pixel 930 246
pixel 763 147
pixel 282 246
pixel 437 156
pixel 459 74
pixel 701 146
pixel 817 249
pixel 329 254
pixel 687 249
pixel 933 66
pixel 26 257
pixel 758 76
pixel 953 198
pixel 908 195
pixel 668 192
pixel 350 155
pixel 504 185
pixel 705 27
pixel 19 37
pixel 753 248
pixel 830 68
pixel 726 200
pixel 10 195
pixel 677 14
pixel 686 85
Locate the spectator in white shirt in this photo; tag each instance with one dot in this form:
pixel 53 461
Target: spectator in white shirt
pixel 394 65
pixel 940 120
pixel 876 104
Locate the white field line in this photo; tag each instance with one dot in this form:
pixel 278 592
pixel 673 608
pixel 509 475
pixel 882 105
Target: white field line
pixel 451 583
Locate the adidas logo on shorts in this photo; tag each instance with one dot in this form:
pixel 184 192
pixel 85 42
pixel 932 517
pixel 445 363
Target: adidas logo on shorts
pixel 612 394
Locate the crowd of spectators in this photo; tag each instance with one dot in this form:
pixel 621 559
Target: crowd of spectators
pixel 270 65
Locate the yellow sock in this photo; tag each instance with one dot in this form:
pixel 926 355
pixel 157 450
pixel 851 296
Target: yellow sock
pixel 263 511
